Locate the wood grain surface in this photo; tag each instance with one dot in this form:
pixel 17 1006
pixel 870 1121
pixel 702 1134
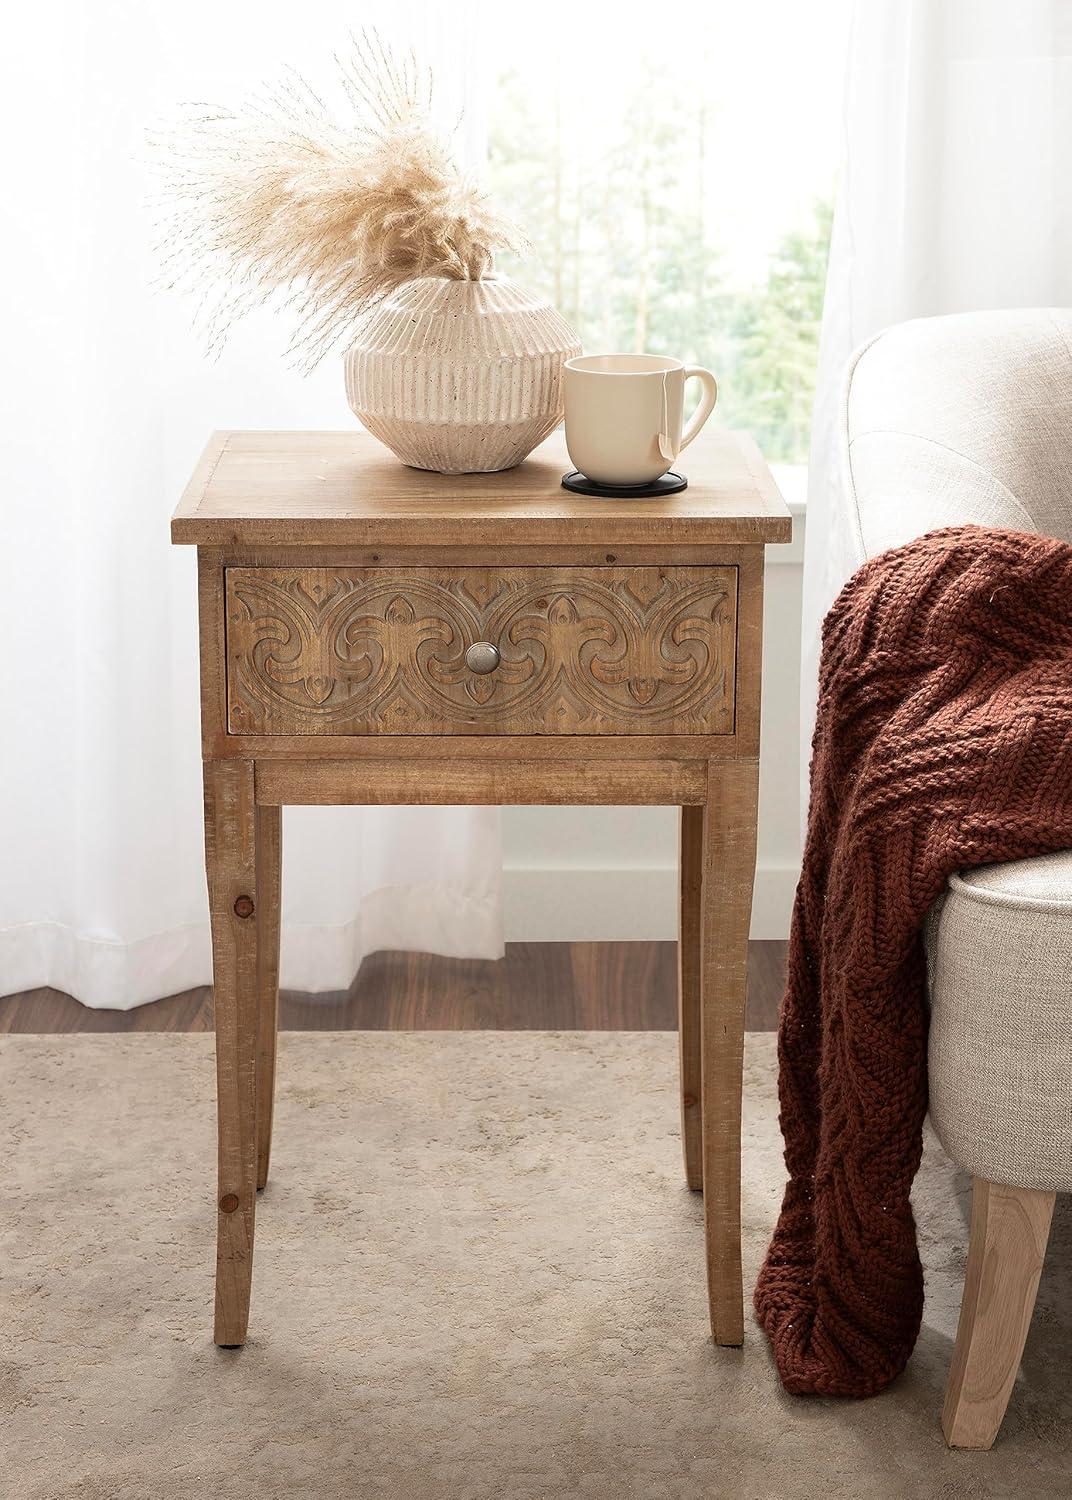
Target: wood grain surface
pixel 382 651
pixel 233 826
pixel 537 986
pixel 729 868
pixel 345 488
pixel 1010 1228
pixel 491 783
pixel 690 922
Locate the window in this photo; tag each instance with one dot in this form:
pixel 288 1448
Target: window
pixel 674 166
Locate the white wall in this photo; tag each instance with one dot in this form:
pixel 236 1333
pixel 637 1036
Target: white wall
pixel 589 873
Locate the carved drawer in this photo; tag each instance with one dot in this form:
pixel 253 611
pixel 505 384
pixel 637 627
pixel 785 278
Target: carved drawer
pixel 379 651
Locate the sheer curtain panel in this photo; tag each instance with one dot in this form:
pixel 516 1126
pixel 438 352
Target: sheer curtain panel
pixel 955 195
pixel 107 402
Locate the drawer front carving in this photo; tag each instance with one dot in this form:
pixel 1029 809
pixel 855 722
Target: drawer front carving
pixel 361 651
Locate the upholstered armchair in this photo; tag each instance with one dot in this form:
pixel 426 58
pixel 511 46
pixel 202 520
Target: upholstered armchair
pixel 948 421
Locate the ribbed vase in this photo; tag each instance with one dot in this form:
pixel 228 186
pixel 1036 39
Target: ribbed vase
pixel 464 377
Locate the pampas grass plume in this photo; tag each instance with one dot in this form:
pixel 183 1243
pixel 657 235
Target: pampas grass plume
pixel 286 201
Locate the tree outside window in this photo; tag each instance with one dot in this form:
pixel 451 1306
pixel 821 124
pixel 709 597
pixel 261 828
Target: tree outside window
pixel 650 231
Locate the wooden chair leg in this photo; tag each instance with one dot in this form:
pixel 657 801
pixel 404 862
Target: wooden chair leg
pixel 1009 1230
pixel 268 918
pixel 729 867
pixel 690 875
pixel 231 838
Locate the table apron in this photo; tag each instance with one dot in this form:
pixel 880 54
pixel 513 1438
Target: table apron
pixel 677 783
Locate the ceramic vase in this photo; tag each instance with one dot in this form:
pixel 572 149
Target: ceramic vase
pixel 464 377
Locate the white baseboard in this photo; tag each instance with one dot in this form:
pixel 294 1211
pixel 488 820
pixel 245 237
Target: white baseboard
pixel 572 905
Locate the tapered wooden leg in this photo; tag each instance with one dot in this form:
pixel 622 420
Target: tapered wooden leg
pixel 1009 1230
pixel 690 875
pixel 268 916
pixel 729 867
pixel 231 838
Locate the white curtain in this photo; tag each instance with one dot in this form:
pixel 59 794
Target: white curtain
pixel 955 194
pixel 107 402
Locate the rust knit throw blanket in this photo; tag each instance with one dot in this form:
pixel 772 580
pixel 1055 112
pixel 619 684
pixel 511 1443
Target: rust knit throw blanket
pixel 943 740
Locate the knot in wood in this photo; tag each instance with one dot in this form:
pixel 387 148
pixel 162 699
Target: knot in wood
pixel 243 907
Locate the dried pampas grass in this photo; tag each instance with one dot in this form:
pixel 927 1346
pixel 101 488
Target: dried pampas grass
pixel 286 200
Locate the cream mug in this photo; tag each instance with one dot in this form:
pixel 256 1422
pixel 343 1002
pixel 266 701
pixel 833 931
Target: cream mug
pixel 623 414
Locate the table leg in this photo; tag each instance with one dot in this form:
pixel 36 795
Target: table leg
pixel 269 834
pixel 233 824
pixel 690 877
pixel 729 867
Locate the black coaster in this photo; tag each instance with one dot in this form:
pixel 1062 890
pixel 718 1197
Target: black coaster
pixel 667 484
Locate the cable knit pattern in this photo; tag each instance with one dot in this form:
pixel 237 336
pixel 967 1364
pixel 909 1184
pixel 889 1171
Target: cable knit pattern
pixel 943 741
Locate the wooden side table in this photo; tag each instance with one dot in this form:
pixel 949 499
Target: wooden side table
pixel 376 634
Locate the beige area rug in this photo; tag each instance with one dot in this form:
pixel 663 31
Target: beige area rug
pixel 478 1273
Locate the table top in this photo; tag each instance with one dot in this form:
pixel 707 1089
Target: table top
pixel 272 489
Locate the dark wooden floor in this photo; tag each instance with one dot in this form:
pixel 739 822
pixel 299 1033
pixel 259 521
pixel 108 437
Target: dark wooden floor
pixel 537 986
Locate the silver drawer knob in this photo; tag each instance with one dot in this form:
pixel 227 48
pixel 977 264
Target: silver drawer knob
pixel 482 657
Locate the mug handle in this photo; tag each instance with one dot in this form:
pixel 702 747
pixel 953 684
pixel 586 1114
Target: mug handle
pixel 706 406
